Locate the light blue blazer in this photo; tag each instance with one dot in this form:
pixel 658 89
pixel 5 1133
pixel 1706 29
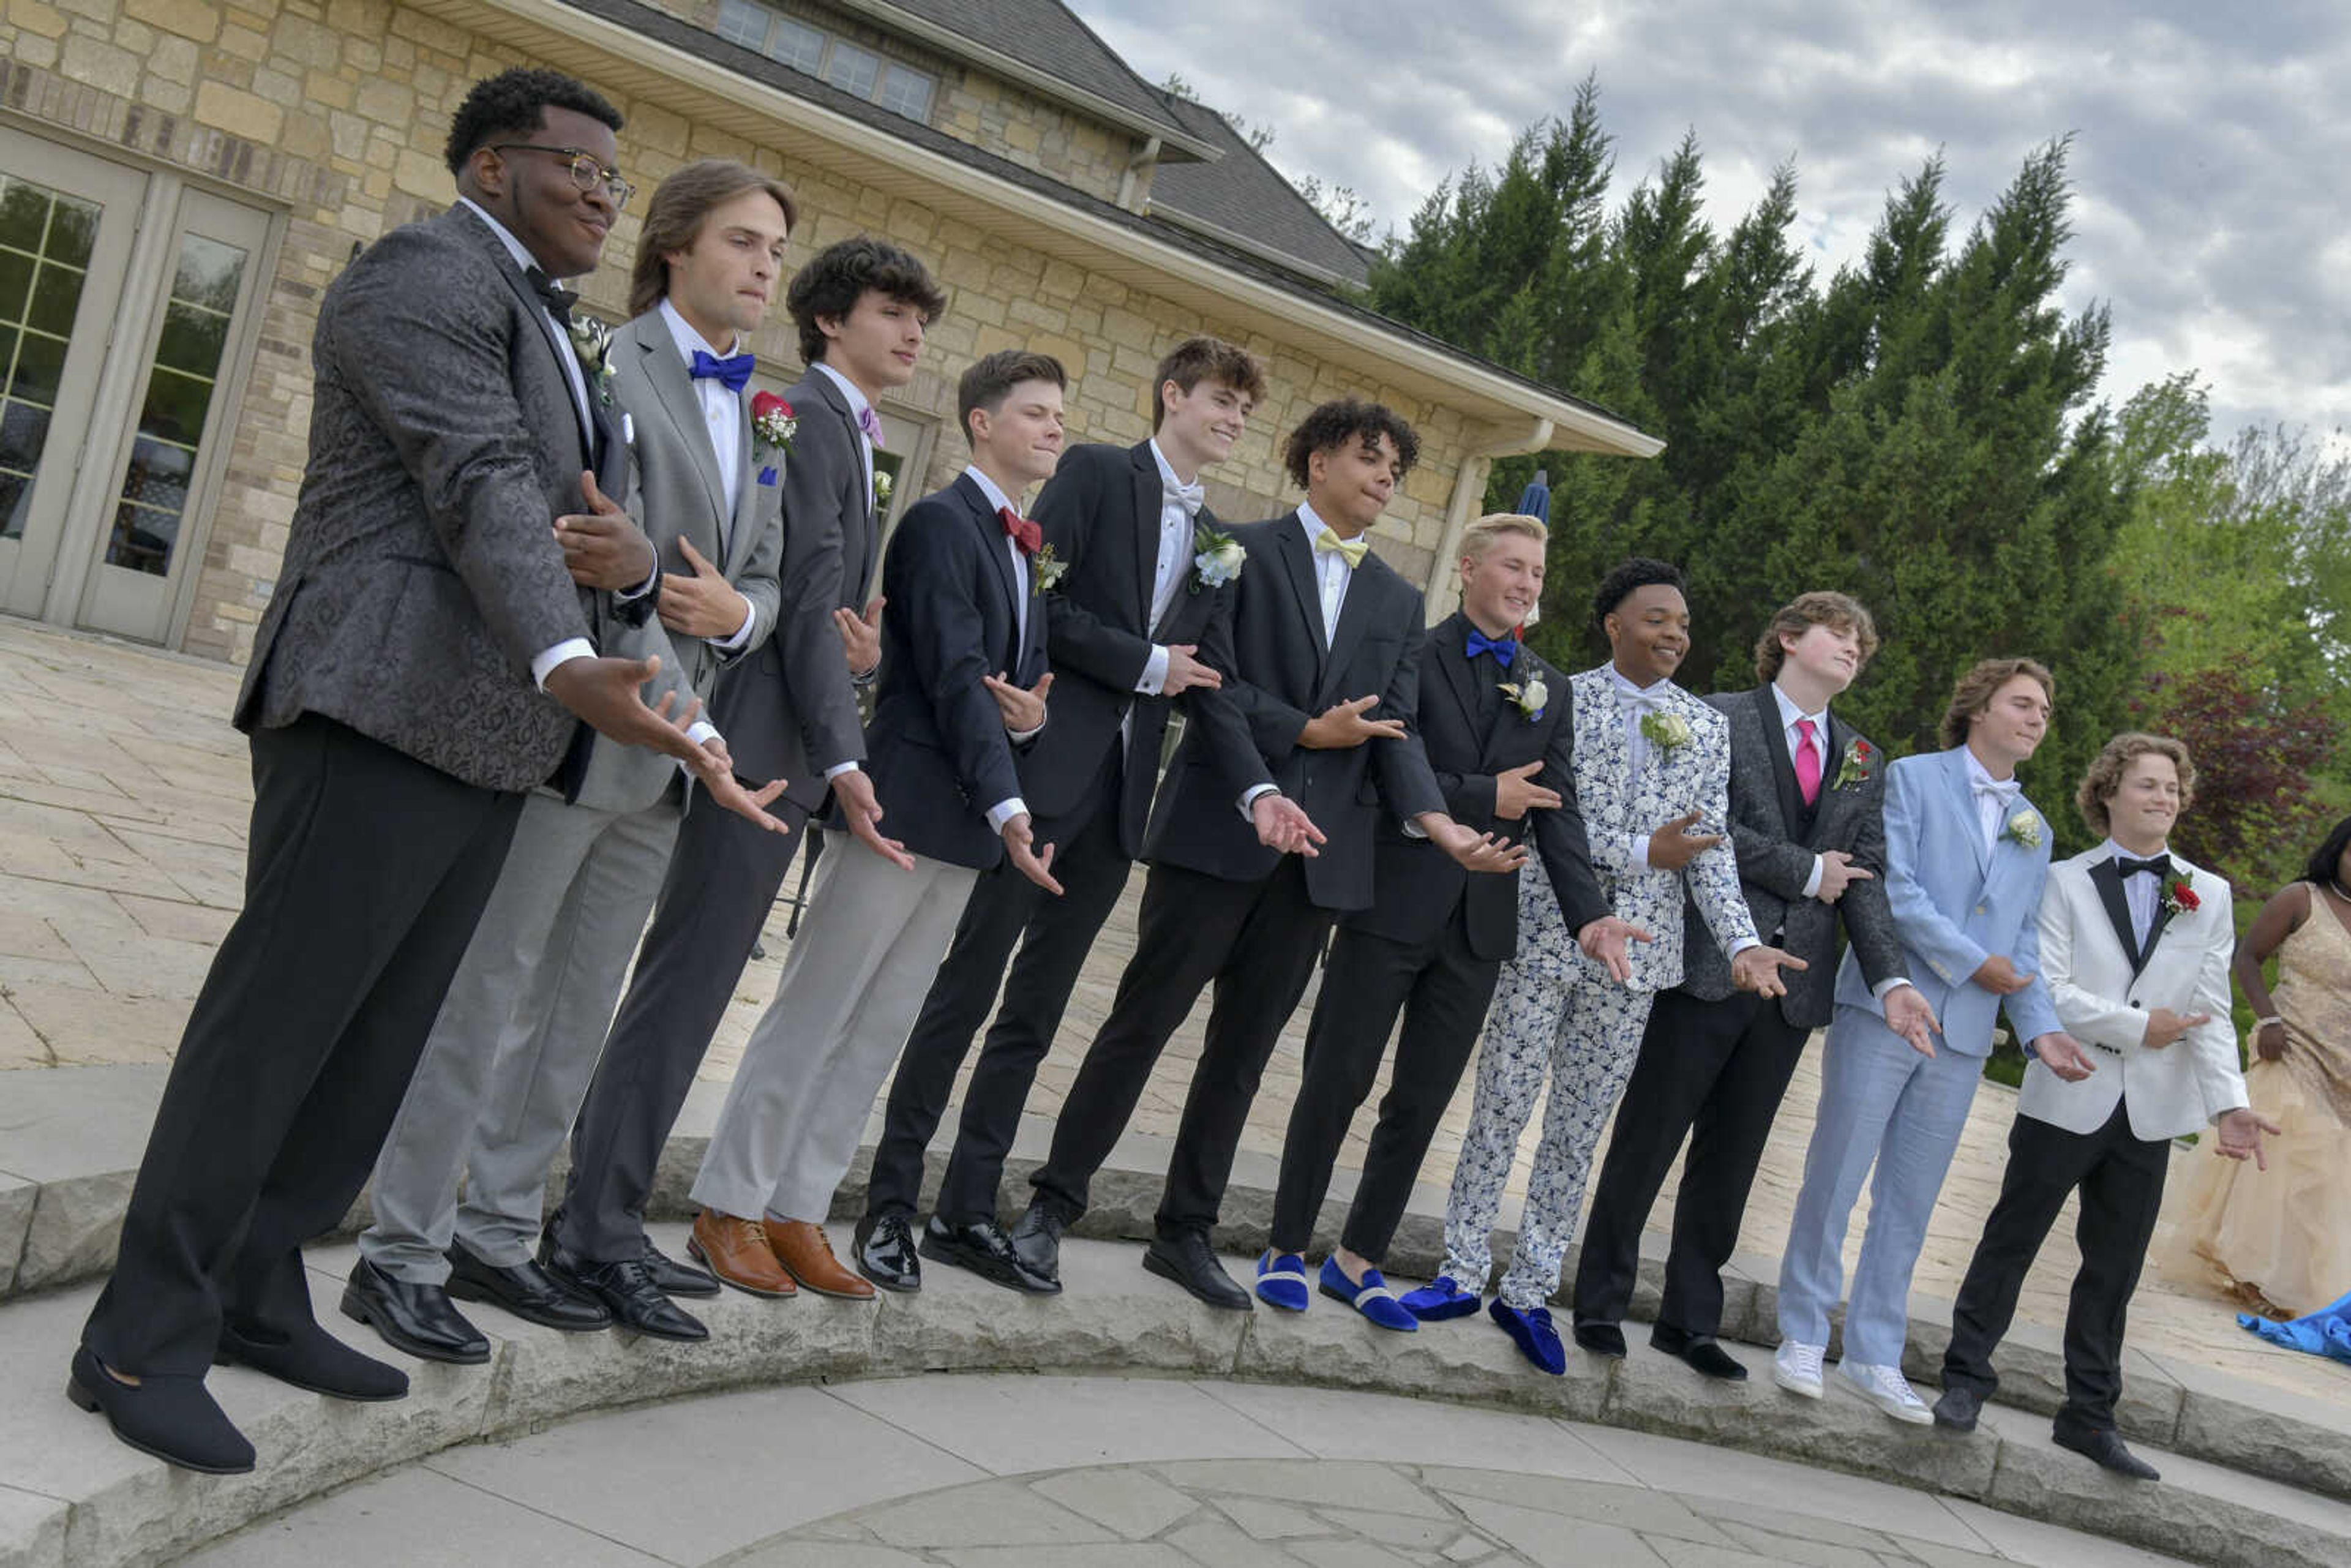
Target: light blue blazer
pixel 1955 903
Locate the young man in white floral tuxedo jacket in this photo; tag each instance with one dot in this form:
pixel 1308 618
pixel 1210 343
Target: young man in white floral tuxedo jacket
pixel 1807 822
pixel 2136 942
pixel 1652 762
pixel 1494 719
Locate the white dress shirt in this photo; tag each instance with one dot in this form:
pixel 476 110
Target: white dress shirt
pixel 858 402
pixel 1012 805
pixel 722 416
pixel 2142 895
pixel 1995 800
pixel 1331 571
pixel 1167 571
pixel 1634 702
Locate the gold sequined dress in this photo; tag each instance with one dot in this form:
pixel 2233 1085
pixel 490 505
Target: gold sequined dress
pixel 2285 1233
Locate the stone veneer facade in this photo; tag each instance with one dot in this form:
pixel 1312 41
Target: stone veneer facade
pixel 331 113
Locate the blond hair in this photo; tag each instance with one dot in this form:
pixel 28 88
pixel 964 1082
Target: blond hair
pixel 2114 760
pixel 1479 536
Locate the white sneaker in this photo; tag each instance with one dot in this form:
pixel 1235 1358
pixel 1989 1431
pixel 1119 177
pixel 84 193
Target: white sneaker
pixel 1797 1367
pixel 1886 1387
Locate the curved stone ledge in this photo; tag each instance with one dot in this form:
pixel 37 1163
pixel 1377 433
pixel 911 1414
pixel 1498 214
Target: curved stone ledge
pixel 70 1495
pixel 72 1138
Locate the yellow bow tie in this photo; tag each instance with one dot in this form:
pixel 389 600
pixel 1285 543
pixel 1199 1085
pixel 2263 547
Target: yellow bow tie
pixel 1352 551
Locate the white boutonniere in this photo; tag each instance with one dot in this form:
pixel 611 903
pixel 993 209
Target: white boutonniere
pixel 592 343
pixel 1666 731
pixel 773 424
pixel 1219 559
pixel 1859 759
pixel 881 487
pixel 1045 569
pixel 2024 828
pixel 1531 698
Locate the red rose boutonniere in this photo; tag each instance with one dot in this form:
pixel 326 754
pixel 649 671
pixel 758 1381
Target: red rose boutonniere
pixel 2180 898
pixel 772 429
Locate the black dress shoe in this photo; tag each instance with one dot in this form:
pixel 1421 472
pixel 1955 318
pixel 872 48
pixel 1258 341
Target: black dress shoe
pixel 170 1418
pixel 1710 1360
pixel 883 1251
pixel 1601 1339
pixel 983 1247
pixel 673 1278
pixel 1037 1242
pixel 526 1290
pixel 1957 1410
pixel 2104 1447
pixel 627 1291
pixel 418 1319
pixel 1191 1262
pixel 309 1357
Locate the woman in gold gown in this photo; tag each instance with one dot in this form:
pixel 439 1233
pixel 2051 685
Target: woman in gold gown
pixel 2280 1239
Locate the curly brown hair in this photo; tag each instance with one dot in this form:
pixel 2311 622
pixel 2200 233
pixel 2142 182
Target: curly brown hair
pixel 1345 421
pixel 2114 760
pixel 1838 612
pixel 1974 693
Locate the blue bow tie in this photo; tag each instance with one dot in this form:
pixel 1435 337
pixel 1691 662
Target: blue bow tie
pixel 1503 648
pixel 735 370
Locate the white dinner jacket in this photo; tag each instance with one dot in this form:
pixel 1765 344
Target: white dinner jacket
pixel 2179 1088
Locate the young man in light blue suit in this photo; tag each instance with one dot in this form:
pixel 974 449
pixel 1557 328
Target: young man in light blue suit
pixel 1966 855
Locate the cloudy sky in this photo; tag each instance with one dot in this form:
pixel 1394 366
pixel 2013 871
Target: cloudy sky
pixel 2212 153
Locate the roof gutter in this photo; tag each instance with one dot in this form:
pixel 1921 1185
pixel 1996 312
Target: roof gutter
pixel 1468 501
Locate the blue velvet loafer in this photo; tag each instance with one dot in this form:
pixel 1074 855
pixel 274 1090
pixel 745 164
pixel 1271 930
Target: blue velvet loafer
pixel 1281 1281
pixel 1441 1299
pixel 1533 1333
pixel 1372 1298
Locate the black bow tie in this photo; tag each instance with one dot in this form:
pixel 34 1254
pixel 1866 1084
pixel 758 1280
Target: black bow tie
pixel 2126 868
pixel 559 300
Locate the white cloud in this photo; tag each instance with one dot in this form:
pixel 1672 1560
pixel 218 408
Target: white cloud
pixel 2210 154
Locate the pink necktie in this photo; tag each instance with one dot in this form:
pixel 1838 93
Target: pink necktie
pixel 1807 762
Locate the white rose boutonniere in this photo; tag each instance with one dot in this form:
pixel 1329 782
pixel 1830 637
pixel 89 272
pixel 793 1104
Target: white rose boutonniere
pixel 1666 731
pixel 1532 697
pixel 881 487
pixel 1045 569
pixel 2024 828
pixel 591 342
pixel 1219 560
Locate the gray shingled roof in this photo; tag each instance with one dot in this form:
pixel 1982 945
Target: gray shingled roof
pixel 1047 36
pixel 1244 197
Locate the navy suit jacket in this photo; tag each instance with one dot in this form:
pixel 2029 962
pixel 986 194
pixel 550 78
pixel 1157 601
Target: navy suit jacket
pixel 937 748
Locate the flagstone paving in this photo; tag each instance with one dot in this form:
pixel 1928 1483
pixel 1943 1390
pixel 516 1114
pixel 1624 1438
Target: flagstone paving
pixel 123 798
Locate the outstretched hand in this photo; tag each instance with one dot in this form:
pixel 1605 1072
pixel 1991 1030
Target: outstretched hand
pixel 1035 863
pixel 1757 969
pixel 1283 825
pixel 1023 711
pixel 852 791
pixel 2241 1137
pixel 2062 1054
pixel 860 637
pixel 1608 942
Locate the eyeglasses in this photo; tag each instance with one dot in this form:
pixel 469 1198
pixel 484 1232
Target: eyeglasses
pixel 586 172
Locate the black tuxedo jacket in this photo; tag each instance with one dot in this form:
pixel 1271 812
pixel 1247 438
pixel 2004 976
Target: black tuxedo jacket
pixel 1418 884
pixel 1288 676
pixel 1101 515
pixel 787 710
pixel 1776 839
pixel 937 746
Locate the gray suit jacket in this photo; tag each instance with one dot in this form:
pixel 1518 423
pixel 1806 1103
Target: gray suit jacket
pixel 1776 846
pixel 676 489
pixel 788 711
pixel 422 574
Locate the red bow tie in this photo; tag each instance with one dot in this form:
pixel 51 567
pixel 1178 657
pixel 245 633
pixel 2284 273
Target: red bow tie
pixel 1020 531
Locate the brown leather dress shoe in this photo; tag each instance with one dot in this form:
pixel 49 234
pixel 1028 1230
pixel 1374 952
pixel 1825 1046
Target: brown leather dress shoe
pixel 736 1250
pixel 805 1253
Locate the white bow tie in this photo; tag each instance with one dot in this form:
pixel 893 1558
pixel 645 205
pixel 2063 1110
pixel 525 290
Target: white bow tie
pixel 1641 702
pixel 1191 498
pixel 2005 793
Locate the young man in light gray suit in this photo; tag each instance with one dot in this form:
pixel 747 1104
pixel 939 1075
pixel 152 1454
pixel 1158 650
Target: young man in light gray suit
pixel 420 664
pixel 788 710
pixel 512 1051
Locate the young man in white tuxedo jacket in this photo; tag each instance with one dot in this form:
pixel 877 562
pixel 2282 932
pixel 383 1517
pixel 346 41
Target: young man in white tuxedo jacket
pixel 2135 943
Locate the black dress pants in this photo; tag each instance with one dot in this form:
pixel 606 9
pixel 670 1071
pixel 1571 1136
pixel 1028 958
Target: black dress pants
pixel 366 871
pixel 723 877
pixel 1716 1070
pixel 2120 1177
pixel 1054 935
pixel 1442 988
pixel 1257 941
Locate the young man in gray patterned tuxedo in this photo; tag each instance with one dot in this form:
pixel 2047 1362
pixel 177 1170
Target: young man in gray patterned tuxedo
pixel 511 1052
pixel 1807 821
pixel 1652 763
pixel 420 664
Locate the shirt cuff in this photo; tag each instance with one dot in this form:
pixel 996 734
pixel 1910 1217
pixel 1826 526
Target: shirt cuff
pixel 1637 851
pixel 1023 737
pixel 1740 943
pixel 837 768
pixel 701 732
pixel 741 634
pixel 1154 672
pixel 1249 795
pixel 1887 984
pixel 1004 812
pixel 564 652
pixel 1413 830
pixel 1813 883
pixel 627 594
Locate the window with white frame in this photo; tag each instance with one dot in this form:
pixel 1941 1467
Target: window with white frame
pixel 852 68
